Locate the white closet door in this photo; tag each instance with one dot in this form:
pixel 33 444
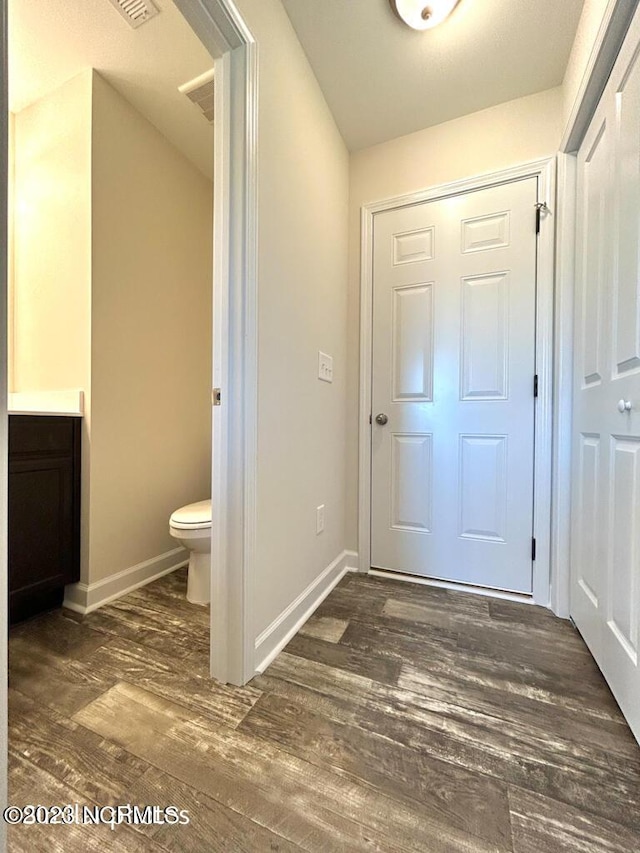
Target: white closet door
pixel 605 598
pixel 453 369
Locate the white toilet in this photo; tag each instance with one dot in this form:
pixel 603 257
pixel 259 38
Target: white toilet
pixel 191 526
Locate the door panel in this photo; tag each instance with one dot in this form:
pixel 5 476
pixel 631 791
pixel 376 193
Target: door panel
pixel 412 342
pixel 588 518
pixel 596 258
pixel 413 246
pixel 485 340
pixel 605 589
pixel 485 232
pixel 483 487
pixel 411 496
pixel 625 505
pixel 453 366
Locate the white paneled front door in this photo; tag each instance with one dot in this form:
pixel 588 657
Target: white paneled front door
pixel 454 306
pixel 605 589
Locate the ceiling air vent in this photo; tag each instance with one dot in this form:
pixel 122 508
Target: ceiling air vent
pixel 200 91
pixel 135 12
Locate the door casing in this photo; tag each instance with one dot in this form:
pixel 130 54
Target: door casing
pixel 223 31
pixel 545 172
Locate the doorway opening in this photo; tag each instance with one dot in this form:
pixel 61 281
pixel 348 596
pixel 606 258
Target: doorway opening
pixel 221 33
pixel 110 292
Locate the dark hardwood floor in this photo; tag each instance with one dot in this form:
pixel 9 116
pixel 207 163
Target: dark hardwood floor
pixel 400 718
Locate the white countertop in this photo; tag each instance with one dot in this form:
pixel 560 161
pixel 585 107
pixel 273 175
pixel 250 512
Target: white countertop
pixel 69 402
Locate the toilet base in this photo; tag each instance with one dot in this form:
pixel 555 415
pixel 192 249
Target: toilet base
pixel 199 578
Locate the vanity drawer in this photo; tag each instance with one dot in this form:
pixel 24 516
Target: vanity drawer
pixel 41 434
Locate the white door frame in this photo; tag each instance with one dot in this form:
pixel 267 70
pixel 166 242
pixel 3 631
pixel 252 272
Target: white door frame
pixel 545 172
pixel 222 30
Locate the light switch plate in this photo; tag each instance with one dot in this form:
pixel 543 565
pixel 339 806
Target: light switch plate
pixel 319 518
pixel 325 367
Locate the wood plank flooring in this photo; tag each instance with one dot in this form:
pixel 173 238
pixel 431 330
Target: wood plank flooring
pixel 400 718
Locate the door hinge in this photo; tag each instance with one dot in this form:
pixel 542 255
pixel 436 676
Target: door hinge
pixel 216 397
pixel 535 385
pixel 540 207
pixel 533 548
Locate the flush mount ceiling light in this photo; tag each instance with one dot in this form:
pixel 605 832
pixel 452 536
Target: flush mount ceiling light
pixel 423 14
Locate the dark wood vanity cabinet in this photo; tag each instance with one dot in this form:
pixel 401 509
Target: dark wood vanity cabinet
pixel 44 511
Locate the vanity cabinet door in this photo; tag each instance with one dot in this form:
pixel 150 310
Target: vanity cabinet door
pixel 43 512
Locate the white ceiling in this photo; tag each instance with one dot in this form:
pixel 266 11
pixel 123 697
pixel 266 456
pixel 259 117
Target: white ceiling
pixel 50 41
pixel 383 80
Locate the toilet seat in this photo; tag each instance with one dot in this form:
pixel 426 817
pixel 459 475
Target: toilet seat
pixel 196 516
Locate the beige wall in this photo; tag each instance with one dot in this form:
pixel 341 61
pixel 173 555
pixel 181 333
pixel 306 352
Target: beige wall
pixel 52 259
pixel 591 18
pixel 303 193
pixel 151 336
pixel 493 139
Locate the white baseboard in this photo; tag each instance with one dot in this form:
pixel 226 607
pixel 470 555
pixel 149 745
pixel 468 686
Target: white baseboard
pixel 84 598
pixel 276 636
pixel 353 561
